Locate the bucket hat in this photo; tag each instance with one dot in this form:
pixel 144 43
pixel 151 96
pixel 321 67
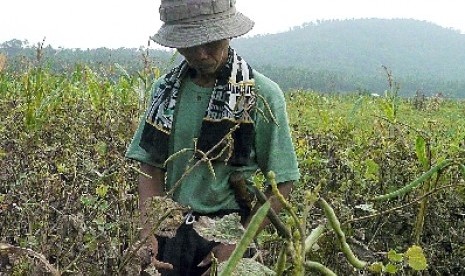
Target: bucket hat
pixel 188 23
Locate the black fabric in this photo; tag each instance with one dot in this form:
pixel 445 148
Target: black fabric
pixel 187 248
pixel 242 145
pixel 185 251
pixel 213 133
pixel 155 142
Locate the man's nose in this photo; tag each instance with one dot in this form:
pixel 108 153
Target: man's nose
pixel 201 52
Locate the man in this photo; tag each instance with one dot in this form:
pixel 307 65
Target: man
pixel 231 115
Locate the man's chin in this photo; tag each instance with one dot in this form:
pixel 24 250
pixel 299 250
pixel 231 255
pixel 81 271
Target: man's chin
pixel 206 71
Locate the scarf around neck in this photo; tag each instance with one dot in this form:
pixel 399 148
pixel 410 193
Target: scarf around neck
pixel 233 98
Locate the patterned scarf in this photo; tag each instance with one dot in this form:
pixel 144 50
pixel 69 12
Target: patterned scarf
pixel 230 104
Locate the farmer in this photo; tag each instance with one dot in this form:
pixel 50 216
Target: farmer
pixel 215 103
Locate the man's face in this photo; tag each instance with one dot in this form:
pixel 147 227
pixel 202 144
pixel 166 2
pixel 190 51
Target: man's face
pixel 208 58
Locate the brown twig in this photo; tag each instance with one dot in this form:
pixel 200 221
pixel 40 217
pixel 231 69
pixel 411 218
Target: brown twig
pixel 203 159
pixel 29 252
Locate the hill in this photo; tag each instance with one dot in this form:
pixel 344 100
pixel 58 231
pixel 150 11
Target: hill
pixel 339 56
pixel 349 55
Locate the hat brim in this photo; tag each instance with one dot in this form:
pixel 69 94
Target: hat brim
pixel 196 33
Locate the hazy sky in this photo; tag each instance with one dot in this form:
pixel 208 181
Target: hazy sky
pixel 125 23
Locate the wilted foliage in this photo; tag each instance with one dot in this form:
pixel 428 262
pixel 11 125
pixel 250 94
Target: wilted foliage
pixel 68 194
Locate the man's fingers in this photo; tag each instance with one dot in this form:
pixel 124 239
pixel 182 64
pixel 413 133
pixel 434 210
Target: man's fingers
pixel 161 265
pixel 206 261
pixel 153 251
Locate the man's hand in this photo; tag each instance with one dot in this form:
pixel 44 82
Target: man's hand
pixel 222 252
pixel 156 263
pixel 148 254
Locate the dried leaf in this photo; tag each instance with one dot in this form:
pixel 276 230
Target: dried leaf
pixel 227 229
pixel 248 266
pixel 140 261
pixel 368 207
pixel 152 271
pixel 166 213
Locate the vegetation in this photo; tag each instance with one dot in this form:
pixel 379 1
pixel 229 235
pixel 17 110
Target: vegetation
pixel 382 186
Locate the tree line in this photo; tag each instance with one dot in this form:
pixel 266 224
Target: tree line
pixel 333 56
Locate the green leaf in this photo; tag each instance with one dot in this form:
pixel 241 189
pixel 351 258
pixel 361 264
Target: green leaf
pixel 357 106
pixel 420 149
pixel 415 258
pixel 87 200
pixel 462 169
pixel 395 257
pixel 391 268
pixel 101 147
pixel 388 110
pixel 61 168
pixel 372 169
pixel 101 190
pixel 376 267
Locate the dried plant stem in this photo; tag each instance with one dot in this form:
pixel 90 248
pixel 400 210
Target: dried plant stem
pixel 132 253
pixel 419 222
pixel 203 159
pixel 141 172
pixel 29 252
pixel 281 262
pixel 268 108
pixel 176 154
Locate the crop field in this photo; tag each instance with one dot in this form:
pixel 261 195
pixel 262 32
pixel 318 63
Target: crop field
pixel 382 188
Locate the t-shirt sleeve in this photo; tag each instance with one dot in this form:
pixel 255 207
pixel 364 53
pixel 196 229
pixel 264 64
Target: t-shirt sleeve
pixel 273 143
pixel 134 150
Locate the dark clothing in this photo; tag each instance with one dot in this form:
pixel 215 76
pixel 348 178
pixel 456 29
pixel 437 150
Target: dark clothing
pixel 185 251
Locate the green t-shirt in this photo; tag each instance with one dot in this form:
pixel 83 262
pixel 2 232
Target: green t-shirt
pixel 201 190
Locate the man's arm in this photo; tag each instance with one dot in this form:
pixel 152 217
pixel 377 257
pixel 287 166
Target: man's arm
pixel 151 184
pixel 285 189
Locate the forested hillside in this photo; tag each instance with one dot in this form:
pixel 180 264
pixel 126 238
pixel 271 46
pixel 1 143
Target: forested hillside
pixel 327 56
pixel 349 54
pixel 19 53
